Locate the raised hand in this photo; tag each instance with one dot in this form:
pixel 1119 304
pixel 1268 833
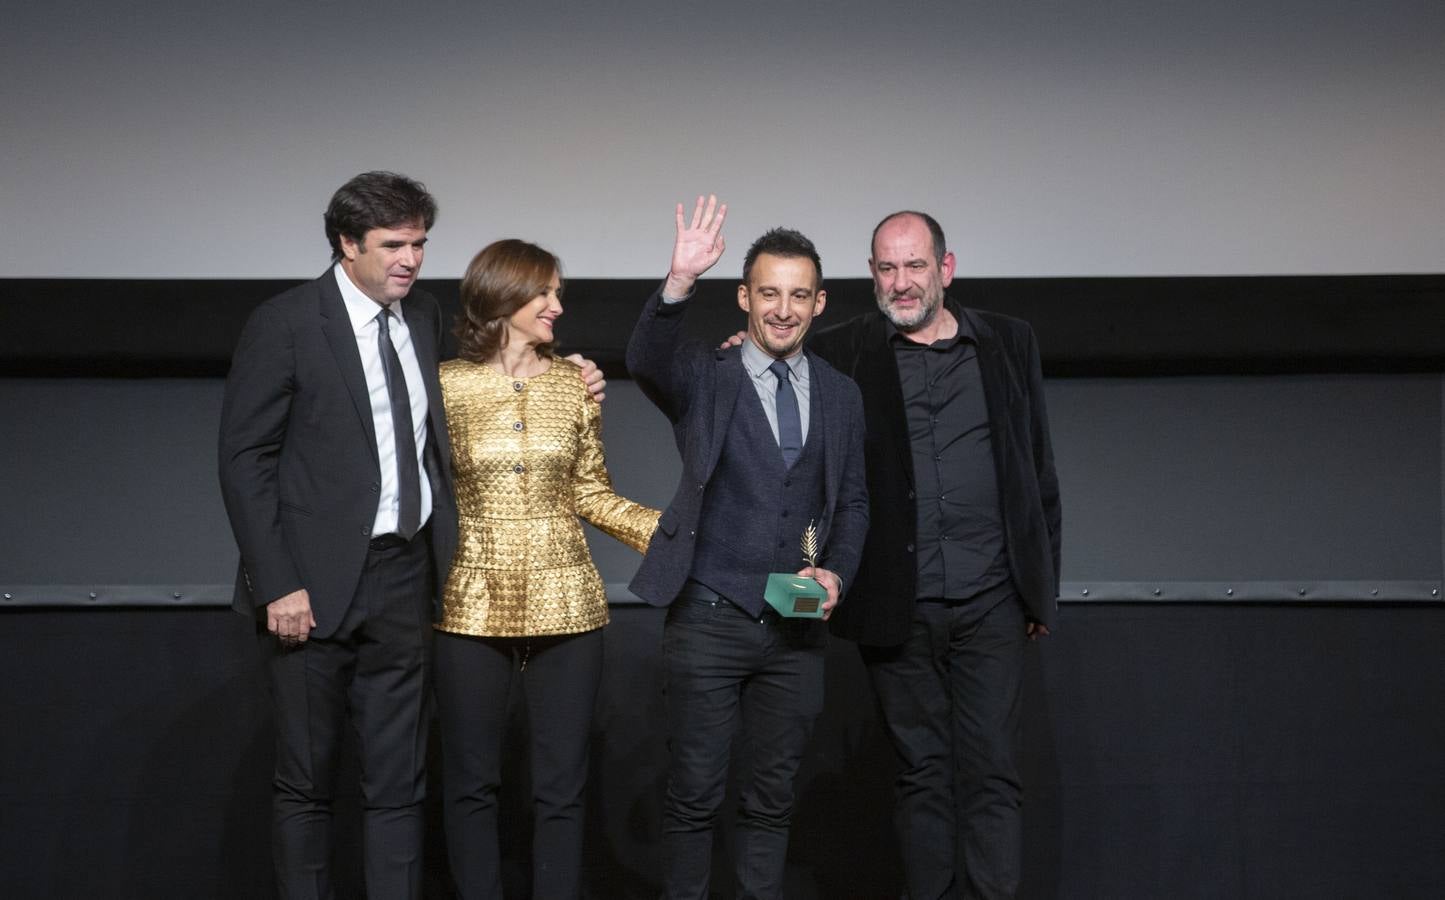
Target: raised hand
pixel 698 245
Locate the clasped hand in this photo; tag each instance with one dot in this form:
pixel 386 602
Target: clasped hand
pixel 830 582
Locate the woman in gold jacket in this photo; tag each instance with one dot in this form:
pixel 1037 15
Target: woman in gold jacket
pixel 523 600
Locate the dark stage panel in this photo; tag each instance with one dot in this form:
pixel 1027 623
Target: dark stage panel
pixel 1206 751
pixel 1262 483
pixel 1086 326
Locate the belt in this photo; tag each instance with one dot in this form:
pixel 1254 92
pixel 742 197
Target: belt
pixel 701 593
pixel 387 542
pixel 394 540
pixel 984 598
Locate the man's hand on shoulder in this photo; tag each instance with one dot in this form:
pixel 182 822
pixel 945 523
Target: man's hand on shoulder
pixel 290 618
pixel 591 376
pixel 697 247
pixel 734 340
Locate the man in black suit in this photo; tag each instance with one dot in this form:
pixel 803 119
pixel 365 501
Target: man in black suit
pixel 961 563
pixel 771 438
pixel 334 466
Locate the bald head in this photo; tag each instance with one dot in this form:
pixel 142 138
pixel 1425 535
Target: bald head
pixel 935 231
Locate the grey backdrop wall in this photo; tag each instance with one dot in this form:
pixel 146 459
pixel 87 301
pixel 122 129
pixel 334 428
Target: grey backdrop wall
pixel 1116 137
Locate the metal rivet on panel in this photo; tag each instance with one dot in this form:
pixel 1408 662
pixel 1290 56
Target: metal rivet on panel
pixel 1229 592
pixel 1085 592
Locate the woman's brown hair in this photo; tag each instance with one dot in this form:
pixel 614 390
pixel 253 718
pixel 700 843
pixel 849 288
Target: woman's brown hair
pixel 504 277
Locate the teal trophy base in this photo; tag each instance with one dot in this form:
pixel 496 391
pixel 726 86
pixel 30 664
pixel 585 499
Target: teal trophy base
pixel 795 596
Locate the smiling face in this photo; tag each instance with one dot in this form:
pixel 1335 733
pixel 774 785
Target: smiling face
pixel 387 261
pixel 532 324
pixel 908 279
pixel 781 298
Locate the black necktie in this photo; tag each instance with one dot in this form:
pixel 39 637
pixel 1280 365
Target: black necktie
pixel 790 425
pixel 408 479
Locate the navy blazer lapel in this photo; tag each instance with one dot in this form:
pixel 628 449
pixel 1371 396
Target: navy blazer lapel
pixel 876 374
pixel 727 382
pixel 336 324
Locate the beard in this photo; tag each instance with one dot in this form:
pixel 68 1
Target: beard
pixel 930 302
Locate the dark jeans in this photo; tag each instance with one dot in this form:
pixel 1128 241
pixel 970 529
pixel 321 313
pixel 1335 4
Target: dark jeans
pixel 559 677
pixel 374 667
pixel 726 671
pixel 951 697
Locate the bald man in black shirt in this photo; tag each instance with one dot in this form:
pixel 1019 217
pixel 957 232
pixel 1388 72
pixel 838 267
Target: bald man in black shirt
pixel 961 564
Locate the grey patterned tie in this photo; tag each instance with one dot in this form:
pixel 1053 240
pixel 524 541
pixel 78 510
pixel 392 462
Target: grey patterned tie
pixel 408 479
pixel 790 425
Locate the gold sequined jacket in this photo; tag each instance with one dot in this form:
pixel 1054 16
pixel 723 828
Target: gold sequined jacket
pixel 527 459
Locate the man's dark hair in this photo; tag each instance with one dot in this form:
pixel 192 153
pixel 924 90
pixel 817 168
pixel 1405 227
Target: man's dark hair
pixel 940 248
pixel 376 200
pixel 786 243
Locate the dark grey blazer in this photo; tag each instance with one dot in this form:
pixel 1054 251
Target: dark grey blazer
pixel 880 600
pixel 696 388
pixel 298 460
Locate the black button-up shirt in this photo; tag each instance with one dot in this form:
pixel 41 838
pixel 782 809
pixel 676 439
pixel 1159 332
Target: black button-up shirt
pixel 960 545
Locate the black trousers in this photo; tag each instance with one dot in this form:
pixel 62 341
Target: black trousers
pixel 726 672
pixel 559 676
pixel 374 669
pixel 951 698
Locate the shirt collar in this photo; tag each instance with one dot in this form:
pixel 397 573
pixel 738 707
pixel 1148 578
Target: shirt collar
pixel 360 308
pixel 965 328
pixel 756 361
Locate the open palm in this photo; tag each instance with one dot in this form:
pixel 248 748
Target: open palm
pixel 699 245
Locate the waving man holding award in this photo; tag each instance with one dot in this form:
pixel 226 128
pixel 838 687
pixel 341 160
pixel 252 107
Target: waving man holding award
pixel 771 439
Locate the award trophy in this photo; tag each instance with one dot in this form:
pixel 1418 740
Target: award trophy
pixel 797 596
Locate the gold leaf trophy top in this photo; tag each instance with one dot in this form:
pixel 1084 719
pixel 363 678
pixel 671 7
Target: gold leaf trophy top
pixel 810 544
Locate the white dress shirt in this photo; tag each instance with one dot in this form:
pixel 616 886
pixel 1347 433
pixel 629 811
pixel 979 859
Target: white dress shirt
pixel 363 312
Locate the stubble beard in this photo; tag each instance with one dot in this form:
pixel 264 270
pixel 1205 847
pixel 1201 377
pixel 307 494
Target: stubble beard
pixel 931 303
